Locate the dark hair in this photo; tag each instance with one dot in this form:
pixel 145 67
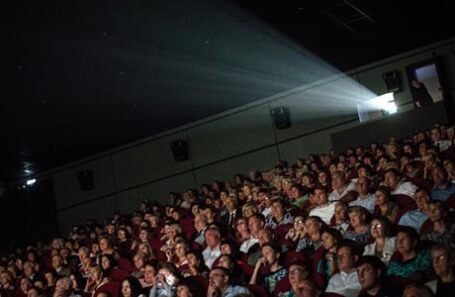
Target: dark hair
pixel 335 234
pixel 374 262
pixel 387 226
pixel 193 286
pixel 135 285
pixel 411 232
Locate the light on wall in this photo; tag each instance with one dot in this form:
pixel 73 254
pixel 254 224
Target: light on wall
pixel 375 107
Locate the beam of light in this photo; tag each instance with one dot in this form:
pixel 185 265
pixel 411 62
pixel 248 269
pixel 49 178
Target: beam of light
pixel 30 182
pixel 385 102
pixel 212 53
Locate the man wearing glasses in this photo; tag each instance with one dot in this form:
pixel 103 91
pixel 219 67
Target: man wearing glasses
pixel 443 265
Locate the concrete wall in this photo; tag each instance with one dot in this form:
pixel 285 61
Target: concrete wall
pixel 235 141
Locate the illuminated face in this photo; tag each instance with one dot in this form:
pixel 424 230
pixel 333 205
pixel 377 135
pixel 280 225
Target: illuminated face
pixel 105 263
pixel 404 243
pixel 328 241
pixel 149 274
pixel 270 255
pixel 192 260
pixel 345 259
pixel 435 212
pixel 340 212
pixel 377 229
pixel 362 186
pixel 225 262
pixel 183 291
pixel 297 273
pixel 299 223
pixel 180 250
pixel 380 198
pixel 367 276
pixel 391 179
pixel 126 288
pixel 441 262
pixel 312 226
pixel 422 198
pixel 356 219
pixel 104 244
pixel 217 279
pixel 277 210
pixel 320 197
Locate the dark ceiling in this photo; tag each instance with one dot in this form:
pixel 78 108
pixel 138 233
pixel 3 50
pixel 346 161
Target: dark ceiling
pixel 85 76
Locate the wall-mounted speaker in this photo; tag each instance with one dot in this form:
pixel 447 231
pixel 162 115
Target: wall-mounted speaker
pixel 281 117
pixel 86 181
pixel 179 150
pixel 392 81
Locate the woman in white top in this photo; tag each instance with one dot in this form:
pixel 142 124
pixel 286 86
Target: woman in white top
pixel 383 246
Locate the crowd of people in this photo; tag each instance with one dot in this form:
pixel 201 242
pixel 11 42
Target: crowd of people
pixel 371 221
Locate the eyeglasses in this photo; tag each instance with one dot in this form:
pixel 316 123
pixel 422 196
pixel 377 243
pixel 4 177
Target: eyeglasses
pixel 298 222
pixel 439 258
pixel 376 226
pixel 295 270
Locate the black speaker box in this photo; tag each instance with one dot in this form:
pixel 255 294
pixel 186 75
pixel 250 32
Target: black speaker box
pixel 281 117
pixel 86 181
pixel 392 81
pixel 179 150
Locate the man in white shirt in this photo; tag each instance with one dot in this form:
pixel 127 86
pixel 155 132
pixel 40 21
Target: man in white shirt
pixel 345 282
pixel 213 249
pixel 365 198
pixel 324 209
pixel 392 178
pixel 341 190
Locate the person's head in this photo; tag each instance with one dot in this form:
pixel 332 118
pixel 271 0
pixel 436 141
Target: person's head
pixel 439 175
pixel 382 195
pixel 392 177
pixel 331 238
pixel 131 287
pixel 226 261
pixel 34 292
pixel 105 243
pixel 230 202
pixel 320 196
pixel 299 223
pixel 380 227
pixel 25 284
pixel 357 215
pixel 200 222
pixel 248 209
pixel 370 272
pixel 29 269
pixel 170 273
pixel 145 249
pixel 347 256
pixel 138 260
pixel 417 290
pixel 264 236
pixel 422 197
pixel 306 288
pixel 278 210
pixel 57 261
pixel 181 249
pixel 340 211
pixel 63 286
pixel 406 240
pixel 150 271
pixel 188 288
pixel 212 237
pixel 297 272
pixel 96 273
pixel 195 258
pixel 271 252
pixel 443 260
pixel 436 211
pixel 51 278
pixel 255 223
pixel 363 185
pixel 219 278
pixel 338 179
pixel 313 225
pixel 107 262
